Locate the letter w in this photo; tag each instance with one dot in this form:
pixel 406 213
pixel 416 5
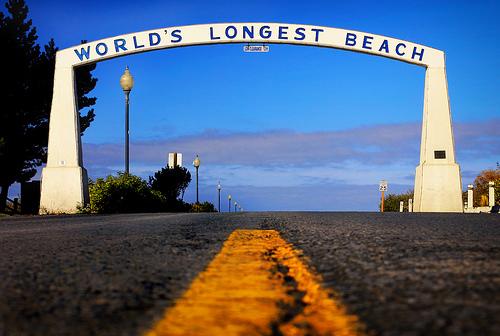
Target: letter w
pixel 83 52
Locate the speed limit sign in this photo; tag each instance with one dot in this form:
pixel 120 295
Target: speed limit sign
pixel 382 185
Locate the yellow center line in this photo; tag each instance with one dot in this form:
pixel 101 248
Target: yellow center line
pixel 257 285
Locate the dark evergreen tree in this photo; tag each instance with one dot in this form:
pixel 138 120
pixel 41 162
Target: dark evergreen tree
pixel 171 183
pixel 84 84
pixel 26 95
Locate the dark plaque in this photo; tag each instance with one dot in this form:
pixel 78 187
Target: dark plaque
pixel 441 154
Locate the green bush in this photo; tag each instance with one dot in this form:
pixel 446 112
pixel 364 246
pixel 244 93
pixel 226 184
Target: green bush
pixel 176 206
pixel 124 193
pixel 203 207
pixel 129 193
pixel 391 201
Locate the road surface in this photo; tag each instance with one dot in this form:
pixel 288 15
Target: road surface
pixel 397 274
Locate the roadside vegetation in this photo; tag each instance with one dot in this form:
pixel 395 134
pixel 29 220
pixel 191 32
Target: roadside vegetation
pixel 481 185
pixel 391 201
pixel 126 193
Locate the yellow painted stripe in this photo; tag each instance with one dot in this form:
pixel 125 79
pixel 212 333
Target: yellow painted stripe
pixel 256 285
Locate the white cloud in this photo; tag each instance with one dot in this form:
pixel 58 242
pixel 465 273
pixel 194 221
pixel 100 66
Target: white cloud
pixel 284 167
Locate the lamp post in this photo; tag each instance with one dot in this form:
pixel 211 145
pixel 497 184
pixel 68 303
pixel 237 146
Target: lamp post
pixel 196 164
pixel 235 206
pixel 229 206
pixel 219 189
pixel 127 83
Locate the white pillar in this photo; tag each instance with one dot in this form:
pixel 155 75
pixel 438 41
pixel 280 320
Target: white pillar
pixel 470 196
pixel 438 186
pixel 491 194
pixel 401 203
pixel 64 180
pixel 410 205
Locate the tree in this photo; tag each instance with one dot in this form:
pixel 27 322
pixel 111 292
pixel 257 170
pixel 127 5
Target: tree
pixel 171 183
pixel 481 186
pixel 84 84
pixel 26 95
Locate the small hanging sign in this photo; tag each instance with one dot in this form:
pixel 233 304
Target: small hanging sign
pixel 256 48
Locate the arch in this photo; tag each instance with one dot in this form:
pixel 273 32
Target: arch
pixel 437 180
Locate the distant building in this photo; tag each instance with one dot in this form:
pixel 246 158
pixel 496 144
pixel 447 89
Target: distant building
pixel 174 159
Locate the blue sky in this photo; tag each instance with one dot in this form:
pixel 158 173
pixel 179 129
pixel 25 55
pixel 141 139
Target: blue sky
pixel 297 128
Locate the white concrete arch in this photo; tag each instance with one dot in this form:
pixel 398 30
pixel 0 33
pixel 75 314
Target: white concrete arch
pixel 437 180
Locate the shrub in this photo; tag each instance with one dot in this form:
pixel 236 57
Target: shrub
pixel 203 207
pixel 391 201
pixel 176 206
pixel 124 193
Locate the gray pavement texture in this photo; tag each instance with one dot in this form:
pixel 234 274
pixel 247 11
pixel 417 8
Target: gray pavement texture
pixel 402 274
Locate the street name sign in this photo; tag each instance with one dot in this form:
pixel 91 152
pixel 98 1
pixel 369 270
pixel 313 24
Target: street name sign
pixel 253 48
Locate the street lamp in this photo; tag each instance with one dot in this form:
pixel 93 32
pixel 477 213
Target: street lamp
pixel 235 206
pixel 229 206
pixel 196 164
pixel 219 189
pixel 127 83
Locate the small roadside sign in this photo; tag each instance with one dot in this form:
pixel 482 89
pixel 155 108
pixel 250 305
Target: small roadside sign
pixel 256 48
pixel 382 187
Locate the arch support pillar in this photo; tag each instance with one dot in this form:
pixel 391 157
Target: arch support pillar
pixel 64 180
pixel 438 185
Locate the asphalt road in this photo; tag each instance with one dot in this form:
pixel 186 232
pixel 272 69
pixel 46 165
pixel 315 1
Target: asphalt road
pixel 402 274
